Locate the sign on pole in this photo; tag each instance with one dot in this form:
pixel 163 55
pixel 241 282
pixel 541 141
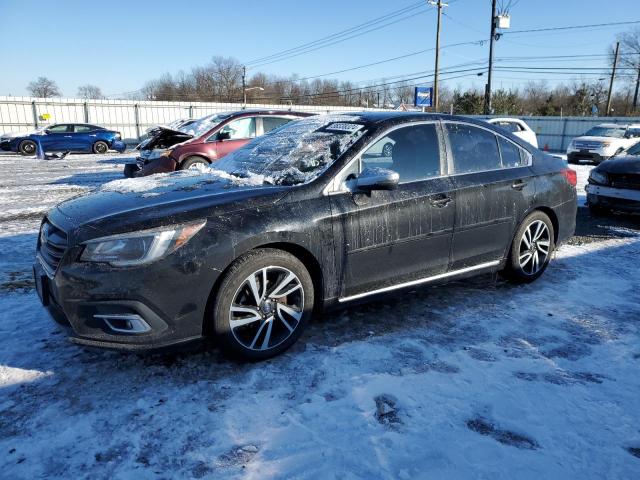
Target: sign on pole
pixel 423 96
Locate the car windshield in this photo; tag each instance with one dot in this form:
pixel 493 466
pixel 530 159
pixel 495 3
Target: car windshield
pixel 606 132
pixel 204 124
pixel 297 152
pixel 635 150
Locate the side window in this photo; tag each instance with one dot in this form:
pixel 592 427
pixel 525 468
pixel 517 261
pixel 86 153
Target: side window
pixel 271 123
pixel 58 128
pixel 413 152
pixel 82 128
pixel 473 149
pixel 509 126
pixel 241 128
pixel 512 156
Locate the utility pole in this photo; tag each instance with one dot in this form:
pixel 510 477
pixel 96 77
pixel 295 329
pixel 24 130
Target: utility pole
pixel 487 102
pixel 244 85
pixel 635 95
pixel 439 5
pixel 613 74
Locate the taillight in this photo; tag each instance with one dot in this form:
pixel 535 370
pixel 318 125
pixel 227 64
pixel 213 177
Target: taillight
pixel 571 176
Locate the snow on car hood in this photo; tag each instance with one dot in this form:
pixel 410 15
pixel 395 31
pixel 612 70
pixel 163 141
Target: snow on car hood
pixel 167 194
pixel 600 139
pixel 22 134
pixel 623 164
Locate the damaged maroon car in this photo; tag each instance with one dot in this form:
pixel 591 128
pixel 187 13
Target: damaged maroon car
pixel 204 141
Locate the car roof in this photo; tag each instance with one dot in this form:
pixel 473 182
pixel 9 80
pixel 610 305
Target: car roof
pixel 383 116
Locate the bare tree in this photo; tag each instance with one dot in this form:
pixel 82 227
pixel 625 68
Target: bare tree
pixel 89 92
pixel 630 58
pixel 43 87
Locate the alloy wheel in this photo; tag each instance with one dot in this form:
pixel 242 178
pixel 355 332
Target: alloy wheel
pixel 534 247
pixel 266 308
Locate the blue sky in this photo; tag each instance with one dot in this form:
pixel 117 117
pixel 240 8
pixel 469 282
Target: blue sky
pixel 118 45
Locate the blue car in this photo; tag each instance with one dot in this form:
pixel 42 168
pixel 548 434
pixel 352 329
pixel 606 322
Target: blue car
pixel 66 137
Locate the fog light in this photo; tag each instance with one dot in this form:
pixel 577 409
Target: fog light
pixel 124 322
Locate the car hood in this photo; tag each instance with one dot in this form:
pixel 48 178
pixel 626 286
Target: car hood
pixel 165 198
pixel 21 134
pixel 621 164
pixel 162 137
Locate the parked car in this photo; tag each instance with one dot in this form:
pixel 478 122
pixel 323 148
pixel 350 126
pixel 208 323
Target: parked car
pixel 204 141
pixel 66 137
pixel 517 127
pixel 615 183
pixel 602 142
pixel 298 220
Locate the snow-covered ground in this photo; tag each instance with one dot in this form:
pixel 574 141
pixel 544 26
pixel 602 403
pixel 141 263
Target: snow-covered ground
pixel 478 379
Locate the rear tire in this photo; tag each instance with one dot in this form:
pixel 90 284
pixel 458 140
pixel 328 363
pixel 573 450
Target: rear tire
pixel 531 249
pixel 256 319
pixel 100 147
pixel 27 147
pixel 192 162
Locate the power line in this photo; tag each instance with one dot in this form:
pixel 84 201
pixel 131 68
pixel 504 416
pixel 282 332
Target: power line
pixel 337 38
pixel 572 27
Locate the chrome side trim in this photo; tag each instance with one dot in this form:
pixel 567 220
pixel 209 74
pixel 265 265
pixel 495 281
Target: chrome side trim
pixel 47 269
pixel 420 281
pixel 138 325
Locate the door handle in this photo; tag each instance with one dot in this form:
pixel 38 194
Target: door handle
pixel 440 201
pixel 519 185
pixel 68 136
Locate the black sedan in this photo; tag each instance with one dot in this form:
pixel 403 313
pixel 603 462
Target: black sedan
pixel 614 185
pixel 311 215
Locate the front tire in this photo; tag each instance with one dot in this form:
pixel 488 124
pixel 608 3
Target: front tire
pixel 100 147
pixel 27 147
pixel 193 162
pixel 531 249
pixel 263 304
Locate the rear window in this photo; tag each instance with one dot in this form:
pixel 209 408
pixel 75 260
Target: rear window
pixel 509 126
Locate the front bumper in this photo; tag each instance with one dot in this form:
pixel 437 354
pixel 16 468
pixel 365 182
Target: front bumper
pixel 613 198
pixel 5 145
pixel 577 156
pixel 92 302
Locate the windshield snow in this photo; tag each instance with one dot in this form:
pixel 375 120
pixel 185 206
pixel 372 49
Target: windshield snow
pixel 606 132
pixel 204 124
pixel 295 153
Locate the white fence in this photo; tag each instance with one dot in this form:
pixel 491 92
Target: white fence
pixel 131 118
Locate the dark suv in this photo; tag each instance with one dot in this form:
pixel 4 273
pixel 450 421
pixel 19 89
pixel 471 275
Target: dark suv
pixel 314 214
pixel 204 141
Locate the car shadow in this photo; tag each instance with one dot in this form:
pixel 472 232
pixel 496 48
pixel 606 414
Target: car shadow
pixel 89 179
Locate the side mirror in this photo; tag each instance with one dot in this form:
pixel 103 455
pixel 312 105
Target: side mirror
pixel 377 179
pixel 46 130
pixel 223 135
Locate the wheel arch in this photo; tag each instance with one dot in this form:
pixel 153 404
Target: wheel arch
pixel 552 216
pixel 307 258
pixel 187 156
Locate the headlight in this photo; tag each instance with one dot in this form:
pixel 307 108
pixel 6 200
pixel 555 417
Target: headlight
pixel 572 144
pixel 141 247
pixel 167 153
pixel 598 177
pixel 605 144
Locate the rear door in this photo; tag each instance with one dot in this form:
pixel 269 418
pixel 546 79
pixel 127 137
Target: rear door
pixel 491 176
pixel 401 235
pixel 84 136
pixel 239 132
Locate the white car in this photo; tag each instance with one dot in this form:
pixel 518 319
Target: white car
pixel 602 142
pixel 518 127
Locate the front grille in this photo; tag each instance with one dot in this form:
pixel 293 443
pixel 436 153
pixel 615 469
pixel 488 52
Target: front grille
pixel 586 145
pixel 629 181
pixel 52 245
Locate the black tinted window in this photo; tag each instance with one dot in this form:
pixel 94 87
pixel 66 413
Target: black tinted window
pixel 83 128
pixel 474 149
pixel 511 155
pixel 413 152
pixel 270 123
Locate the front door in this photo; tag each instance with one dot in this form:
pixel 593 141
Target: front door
pixel 492 190
pixel 233 135
pixel 396 236
pixel 56 138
